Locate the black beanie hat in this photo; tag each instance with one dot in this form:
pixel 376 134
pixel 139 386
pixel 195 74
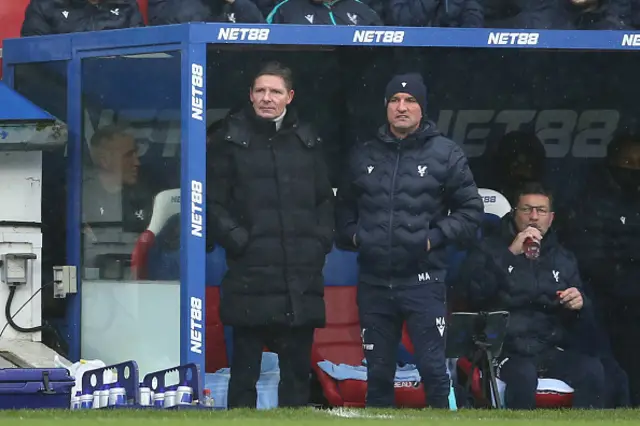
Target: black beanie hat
pixel 408 83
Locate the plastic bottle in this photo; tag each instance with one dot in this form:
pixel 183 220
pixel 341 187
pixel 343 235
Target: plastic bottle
pixel 184 395
pixel 169 398
pixel 158 398
pixel 75 401
pixel 207 399
pixel 531 248
pixel 117 395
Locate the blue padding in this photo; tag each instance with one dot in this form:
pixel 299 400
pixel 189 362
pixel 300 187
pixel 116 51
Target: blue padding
pixel 341 268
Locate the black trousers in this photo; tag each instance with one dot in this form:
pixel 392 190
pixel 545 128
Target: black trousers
pixel 382 312
pixel 293 346
pixel 624 332
pixel 585 374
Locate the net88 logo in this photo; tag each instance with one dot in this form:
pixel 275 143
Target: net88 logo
pixel 563 132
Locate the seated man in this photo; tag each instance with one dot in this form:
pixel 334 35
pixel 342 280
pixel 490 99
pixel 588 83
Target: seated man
pixel 543 296
pixel 44 17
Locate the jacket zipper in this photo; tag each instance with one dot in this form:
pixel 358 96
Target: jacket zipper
pixel 282 242
pixel 393 190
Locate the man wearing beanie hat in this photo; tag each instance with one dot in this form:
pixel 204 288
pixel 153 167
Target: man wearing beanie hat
pixel 407 194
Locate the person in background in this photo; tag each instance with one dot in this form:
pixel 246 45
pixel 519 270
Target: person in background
pixel 435 13
pixel 111 188
pixel 597 14
pixel 45 17
pixel 603 229
pixel 522 14
pixel 166 12
pixel 271 209
pixel 323 12
pixel 543 296
pixel 393 206
pixel 518 158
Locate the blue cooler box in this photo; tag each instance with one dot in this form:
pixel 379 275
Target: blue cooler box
pixel 35 388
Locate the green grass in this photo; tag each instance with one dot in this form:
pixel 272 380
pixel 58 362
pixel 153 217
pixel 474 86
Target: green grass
pixel 319 417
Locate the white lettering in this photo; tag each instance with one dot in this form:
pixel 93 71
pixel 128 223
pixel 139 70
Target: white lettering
pixel 197 92
pixel 196 325
pixel 580 134
pixel 424 277
pixel 632 40
pixel 244 34
pixel 378 36
pixel 196 208
pixel 406 384
pixel 583 134
pixel 500 38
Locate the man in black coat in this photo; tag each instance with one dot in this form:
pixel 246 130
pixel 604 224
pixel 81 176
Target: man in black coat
pixel 603 230
pixel 167 12
pixel 407 194
pixel 44 17
pixel 543 297
pixel 271 208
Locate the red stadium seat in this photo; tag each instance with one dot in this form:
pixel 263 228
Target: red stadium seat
pixel 215 345
pixel 340 342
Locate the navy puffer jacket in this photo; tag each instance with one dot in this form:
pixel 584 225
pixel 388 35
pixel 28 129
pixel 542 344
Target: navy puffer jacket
pixel 492 279
pixel 397 195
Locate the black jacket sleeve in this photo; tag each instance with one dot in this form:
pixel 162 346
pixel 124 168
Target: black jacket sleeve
pixel 347 206
pixel 576 281
pixel 462 198
pixel 246 12
pixel 617 14
pixel 472 14
pixel 538 14
pixel 135 16
pixel 324 201
pixel 222 227
pixel 35 21
pixel 478 281
pixel 411 13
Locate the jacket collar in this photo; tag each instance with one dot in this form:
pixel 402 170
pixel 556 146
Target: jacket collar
pixel 244 125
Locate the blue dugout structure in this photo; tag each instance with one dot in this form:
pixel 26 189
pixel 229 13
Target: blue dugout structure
pixel 146 70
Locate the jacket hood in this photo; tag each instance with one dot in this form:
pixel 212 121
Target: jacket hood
pixel 426 131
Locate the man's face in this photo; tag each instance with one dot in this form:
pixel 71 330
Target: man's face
pixel 404 113
pixel 270 96
pixel 119 157
pixel 521 168
pixel 533 210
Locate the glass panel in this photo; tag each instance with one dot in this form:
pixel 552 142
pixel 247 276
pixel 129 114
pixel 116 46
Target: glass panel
pixel 45 84
pixel 549 116
pixel 130 207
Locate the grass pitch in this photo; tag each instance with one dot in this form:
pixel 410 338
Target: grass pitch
pixel 311 417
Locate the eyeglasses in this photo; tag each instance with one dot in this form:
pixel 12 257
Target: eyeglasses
pixel 542 211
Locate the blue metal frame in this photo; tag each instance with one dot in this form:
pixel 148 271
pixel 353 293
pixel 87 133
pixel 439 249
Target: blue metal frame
pixel 192 205
pixel 192 40
pixel 65 46
pixel 74 201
